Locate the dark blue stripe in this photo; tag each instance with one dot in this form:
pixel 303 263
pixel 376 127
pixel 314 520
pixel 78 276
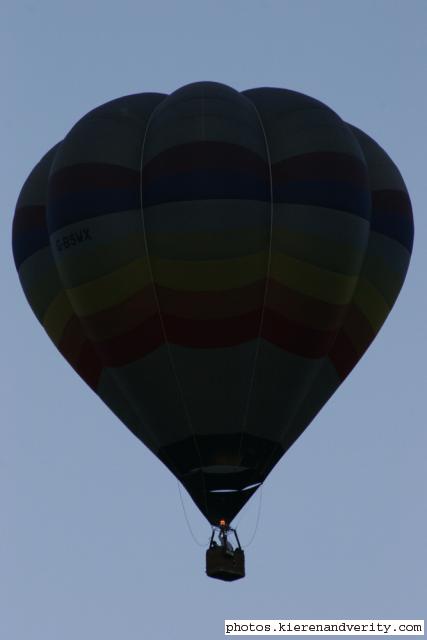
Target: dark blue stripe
pixel 205 184
pixel 74 207
pixel 333 195
pixel 26 243
pixel 394 224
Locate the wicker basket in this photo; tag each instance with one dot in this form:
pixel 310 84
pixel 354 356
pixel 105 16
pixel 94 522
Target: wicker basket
pixel 225 565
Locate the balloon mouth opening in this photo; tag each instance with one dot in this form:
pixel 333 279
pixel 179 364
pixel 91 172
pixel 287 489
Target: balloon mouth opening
pixel 221 480
pixel 255 485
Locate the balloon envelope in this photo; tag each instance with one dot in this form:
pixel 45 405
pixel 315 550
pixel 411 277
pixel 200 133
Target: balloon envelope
pixel 213 264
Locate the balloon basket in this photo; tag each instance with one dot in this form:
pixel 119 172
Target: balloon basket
pixel 222 560
pixel 225 565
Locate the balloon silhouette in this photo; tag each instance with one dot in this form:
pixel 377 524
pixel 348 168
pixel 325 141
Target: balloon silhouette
pixel 213 264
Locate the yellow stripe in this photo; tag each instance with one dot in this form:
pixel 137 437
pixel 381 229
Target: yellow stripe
pixel 210 275
pixel 107 291
pixel 57 316
pixel 371 303
pixel 220 275
pixel 313 281
pixel 322 252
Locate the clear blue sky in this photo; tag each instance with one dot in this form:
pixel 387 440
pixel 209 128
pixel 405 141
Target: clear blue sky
pixel 94 543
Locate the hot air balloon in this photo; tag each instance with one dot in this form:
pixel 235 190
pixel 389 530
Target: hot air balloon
pixel 213 264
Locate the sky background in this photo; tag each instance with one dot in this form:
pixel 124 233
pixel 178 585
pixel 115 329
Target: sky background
pixel 94 542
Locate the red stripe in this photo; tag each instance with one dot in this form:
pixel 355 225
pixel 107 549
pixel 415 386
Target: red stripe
pixel 28 218
pixel 352 342
pixel 89 358
pixel 214 306
pixel 133 345
pixel 80 353
pixel 121 318
pixel 204 155
pixel 218 333
pixel 321 166
pixel 89 366
pixel 92 176
pixel 295 338
pixel 72 340
pixel 343 355
pixel 392 201
pixel 358 327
